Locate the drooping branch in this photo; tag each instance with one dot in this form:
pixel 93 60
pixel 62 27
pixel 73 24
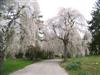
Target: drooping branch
pixel 7 30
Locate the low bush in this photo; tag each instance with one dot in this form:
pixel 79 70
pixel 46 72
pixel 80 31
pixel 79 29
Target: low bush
pixel 73 66
pixel 34 53
pixel 19 55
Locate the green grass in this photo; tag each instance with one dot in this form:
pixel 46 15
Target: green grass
pixel 11 65
pixel 89 65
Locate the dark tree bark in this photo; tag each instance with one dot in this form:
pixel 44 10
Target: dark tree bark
pixel 1 52
pixel 1 61
pixel 66 51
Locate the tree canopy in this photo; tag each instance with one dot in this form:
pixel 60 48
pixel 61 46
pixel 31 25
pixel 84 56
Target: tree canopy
pixel 95 29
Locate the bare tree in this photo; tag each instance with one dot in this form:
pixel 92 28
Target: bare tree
pixel 8 19
pixel 87 39
pixel 22 27
pixel 65 24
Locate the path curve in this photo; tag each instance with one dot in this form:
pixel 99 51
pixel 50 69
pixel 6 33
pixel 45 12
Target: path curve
pixel 47 67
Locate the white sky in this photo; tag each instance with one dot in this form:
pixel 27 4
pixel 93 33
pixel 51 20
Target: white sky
pixel 49 8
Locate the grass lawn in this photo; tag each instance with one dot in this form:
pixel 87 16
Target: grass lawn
pixel 83 66
pixel 11 65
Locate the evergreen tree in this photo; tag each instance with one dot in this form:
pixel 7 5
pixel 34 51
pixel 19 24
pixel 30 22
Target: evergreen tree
pixel 95 29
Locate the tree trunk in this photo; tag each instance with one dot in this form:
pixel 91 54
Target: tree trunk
pixel 1 61
pixel 66 52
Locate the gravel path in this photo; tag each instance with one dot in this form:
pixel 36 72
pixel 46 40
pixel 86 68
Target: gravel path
pixel 47 67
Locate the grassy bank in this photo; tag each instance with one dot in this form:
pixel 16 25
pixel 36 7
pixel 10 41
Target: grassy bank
pixel 11 65
pixel 83 66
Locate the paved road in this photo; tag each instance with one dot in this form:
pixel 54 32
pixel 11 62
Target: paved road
pixel 47 67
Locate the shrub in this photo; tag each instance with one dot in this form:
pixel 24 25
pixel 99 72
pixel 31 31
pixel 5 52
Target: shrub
pixel 19 55
pixel 31 53
pixel 73 66
pixel 34 53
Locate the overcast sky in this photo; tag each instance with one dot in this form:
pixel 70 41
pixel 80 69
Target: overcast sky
pixel 49 8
